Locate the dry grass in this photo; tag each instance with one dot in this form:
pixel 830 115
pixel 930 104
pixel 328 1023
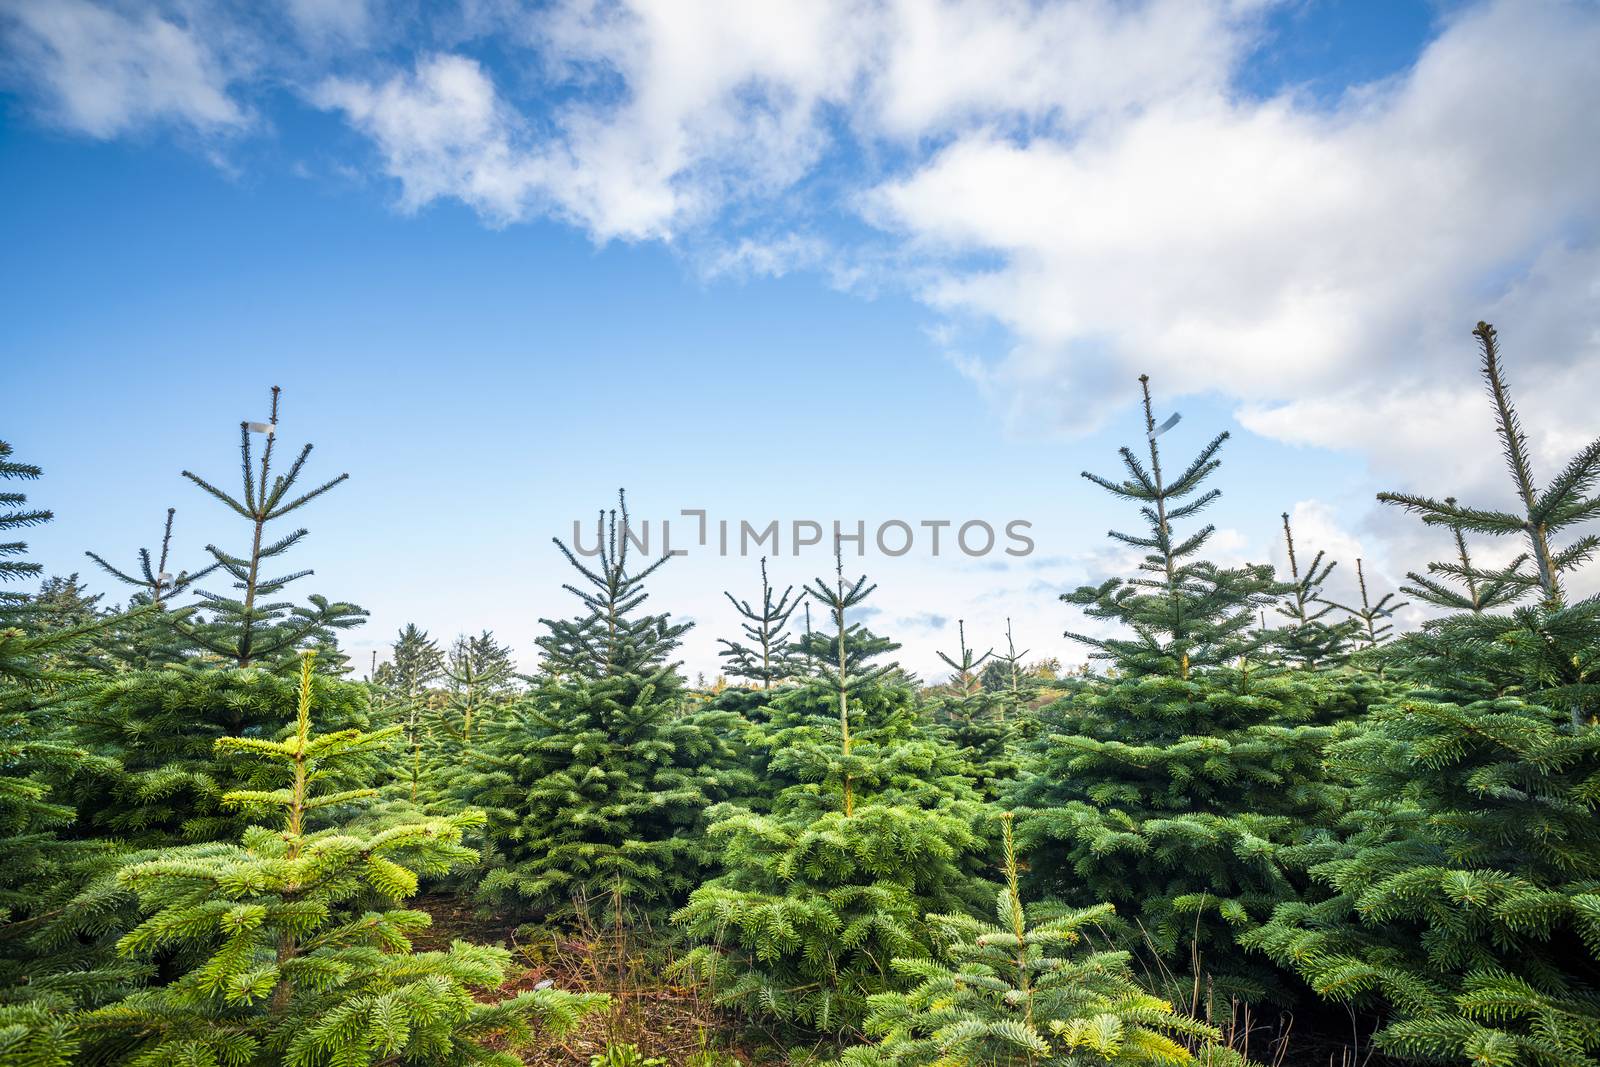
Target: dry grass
pixel 662 1018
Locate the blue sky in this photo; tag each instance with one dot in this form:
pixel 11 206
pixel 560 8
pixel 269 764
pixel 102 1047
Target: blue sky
pixel 503 260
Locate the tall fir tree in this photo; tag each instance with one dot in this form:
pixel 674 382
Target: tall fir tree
pixel 609 639
pixel 1550 643
pixel 1169 789
pixel 769 657
pixel 1458 900
pixel 1185 613
pixel 291 945
pixel 252 628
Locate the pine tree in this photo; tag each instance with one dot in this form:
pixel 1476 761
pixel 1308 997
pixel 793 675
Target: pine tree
pixel 770 658
pixel 251 627
pixel 1479 592
pixel 1025 989
pixel 479 673
pixel 1460 897
pixel 1310 641
pixel 415 663
pixel 1185 613
pixel 293 950
pixel 606 640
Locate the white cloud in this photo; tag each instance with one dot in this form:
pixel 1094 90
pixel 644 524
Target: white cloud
pixel 443 132
pixel 102 71
pixel 1273 250
pixel 326 22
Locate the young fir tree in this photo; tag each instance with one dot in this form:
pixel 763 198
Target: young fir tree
pixel 291 945
pixel 1372 617
pixel 966 664
pixel 1026 988
pixel 415 663
pixel 597 783
pixel 480 675
pixel 1461 897
pixel 1550 642
pixel 1184 613
pixel 609 639
pixel 769 658
pixel 1310 641
pixel 252 628
pixel 1169 789
pixel 875 832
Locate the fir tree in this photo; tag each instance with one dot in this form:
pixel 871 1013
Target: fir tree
pixel 294 951
pixel 607 640
pixel 597 791
pixel 1374 628
pixel 479 674
pixel 252 627
pixel 415 663
pixel 154 582
pixel 873 832
pixel 966 664
pixel 1024 989
pixel 769 658
pixel 1185 613
pixel 16 515
pixel 1550 644
pixel 1169 789
pixel 1309 640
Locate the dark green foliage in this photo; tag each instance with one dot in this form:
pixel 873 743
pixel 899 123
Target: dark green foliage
pixel 251 627
pixel 16 515
pixel 607 639
pixel 160 781
pixel 597 791
pixel 1024 988
pixel 1172 798
pixel 770 658
pixel 1184 612
pixel 293 949
pixel 1465 894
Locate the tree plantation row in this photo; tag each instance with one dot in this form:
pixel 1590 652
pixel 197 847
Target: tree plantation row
pixel 1262 826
